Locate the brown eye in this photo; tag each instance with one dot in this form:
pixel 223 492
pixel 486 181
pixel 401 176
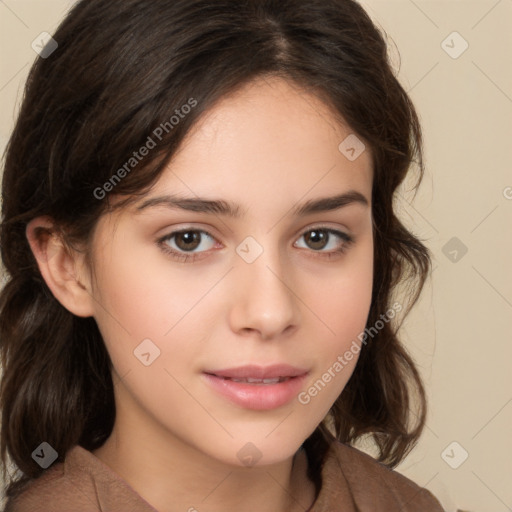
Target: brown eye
pixel 325 241
pixel 188 240
pixel 317 239
pixel 193 241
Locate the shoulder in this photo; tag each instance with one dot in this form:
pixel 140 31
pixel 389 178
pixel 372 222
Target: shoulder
pixel 53 490
pixel 370 483
pixel 81 483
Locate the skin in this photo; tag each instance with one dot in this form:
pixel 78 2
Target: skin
pixel 269 147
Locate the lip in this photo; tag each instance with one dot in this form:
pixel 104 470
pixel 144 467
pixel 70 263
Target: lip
pixel 259 372
pixel 257 396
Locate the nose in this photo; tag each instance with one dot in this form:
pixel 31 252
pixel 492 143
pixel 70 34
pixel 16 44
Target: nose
pixel 264 302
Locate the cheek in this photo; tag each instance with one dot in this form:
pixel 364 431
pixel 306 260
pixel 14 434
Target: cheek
pixel 139 298
pixel 156 320
pixel 342 300
pixel 342 304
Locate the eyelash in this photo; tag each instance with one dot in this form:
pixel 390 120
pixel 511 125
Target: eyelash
pixel 180 256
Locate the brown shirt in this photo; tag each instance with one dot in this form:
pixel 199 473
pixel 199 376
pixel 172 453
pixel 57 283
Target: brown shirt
pixel 351 482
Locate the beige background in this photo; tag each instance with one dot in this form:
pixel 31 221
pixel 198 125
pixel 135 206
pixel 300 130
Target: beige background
pixel 461 330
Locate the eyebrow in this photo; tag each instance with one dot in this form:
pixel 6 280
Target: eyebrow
pixel 221 207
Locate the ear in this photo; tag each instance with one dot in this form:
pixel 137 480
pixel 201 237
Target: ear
pixel 63 269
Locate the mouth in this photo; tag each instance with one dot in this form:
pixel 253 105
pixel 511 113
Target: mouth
pixel 250 380
pixel 257 387
pixel 259 374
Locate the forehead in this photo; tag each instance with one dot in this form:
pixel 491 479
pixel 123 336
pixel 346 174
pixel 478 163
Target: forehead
pixel 269 131
pixel 267 147
pixel 273 111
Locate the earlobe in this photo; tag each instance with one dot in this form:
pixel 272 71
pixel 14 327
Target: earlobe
pixel 61 267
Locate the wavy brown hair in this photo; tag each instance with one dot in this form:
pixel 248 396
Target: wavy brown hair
pixel 123 67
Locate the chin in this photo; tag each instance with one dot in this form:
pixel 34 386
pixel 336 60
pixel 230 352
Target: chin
pixel 263 451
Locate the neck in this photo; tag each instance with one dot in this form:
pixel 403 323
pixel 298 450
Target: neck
pixel 173 476
pixel 177 479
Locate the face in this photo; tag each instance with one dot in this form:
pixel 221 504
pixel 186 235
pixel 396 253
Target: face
pixel 229 296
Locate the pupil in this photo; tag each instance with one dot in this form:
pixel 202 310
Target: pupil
pixel 317 239
pixel 188 237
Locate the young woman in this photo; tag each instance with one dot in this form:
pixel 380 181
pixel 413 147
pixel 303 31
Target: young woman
pixel 201 254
